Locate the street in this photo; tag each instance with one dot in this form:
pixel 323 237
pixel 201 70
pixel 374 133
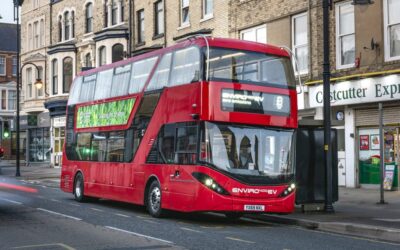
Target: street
pixel 51 219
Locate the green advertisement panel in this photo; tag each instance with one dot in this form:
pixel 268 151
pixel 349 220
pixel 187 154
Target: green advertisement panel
pixel 105 114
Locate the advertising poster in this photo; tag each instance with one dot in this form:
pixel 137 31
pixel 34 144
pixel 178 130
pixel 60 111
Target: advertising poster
pixel 364 142
pixel 375 142
pixel 388 180
pixel 105 114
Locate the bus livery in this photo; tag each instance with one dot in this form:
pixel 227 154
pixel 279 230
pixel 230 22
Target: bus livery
pixel 205 125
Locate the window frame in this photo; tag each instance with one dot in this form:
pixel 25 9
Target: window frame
pixel 54 76
pixel 159 14
pixel 255 29
pixel 386 33
pixel 29 84
pixel 14 64
pixel 206 16
pixel 101 57
pixel 339 36
pixel 89 19
pixel 294 46
pixel 14 100
pixel 182 9
pixel 3 60
pixel 141 36
pixel 64 75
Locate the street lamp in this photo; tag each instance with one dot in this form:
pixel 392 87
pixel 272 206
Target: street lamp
pixel 17 4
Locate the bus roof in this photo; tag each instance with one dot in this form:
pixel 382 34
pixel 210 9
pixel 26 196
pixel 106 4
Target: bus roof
pixel 200 41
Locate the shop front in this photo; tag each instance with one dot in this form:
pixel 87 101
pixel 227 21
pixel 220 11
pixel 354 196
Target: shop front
pixel 356 102
pixel 37 129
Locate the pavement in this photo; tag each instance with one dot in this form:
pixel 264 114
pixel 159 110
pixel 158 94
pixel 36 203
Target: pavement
pixel 357 213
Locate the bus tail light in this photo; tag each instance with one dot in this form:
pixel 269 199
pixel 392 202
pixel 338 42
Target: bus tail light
pixel 210 183
pixel 290 189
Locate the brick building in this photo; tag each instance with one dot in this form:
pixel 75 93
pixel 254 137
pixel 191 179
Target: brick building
pixel 8 72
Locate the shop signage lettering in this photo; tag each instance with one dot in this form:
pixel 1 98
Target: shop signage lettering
pixel 385 88
pixel 105 114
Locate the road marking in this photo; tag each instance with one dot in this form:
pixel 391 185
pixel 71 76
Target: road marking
pixel 11 201
pixel 388 220
pixel 60 214
pixel 55 200
pixel 122 215
pixel 140 235
pixel 43 186
pixel 191 230
pixel 41 197
pixel 237 239
pixel 150 221
pixel 75 205
pixel 96 209
pixel 46 245
pixel 143 217
pixel 215 227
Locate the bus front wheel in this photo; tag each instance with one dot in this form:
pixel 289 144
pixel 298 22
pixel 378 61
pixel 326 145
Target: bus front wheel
pixel 153 202
pixel 78 188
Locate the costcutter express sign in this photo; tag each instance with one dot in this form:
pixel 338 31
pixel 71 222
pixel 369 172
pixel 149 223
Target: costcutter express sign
pixel 377 89
pixel 105 114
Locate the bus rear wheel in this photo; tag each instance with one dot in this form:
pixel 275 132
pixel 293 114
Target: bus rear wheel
pixel 78 188
pixel 153 202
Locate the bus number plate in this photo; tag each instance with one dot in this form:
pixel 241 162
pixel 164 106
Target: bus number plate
pixel 254 207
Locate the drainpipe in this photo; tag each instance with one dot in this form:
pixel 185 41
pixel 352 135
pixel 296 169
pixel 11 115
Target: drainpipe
pixel 130 30
pixel 165 24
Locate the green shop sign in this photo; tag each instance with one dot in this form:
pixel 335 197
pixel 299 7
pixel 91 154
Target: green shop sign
pixel 105 114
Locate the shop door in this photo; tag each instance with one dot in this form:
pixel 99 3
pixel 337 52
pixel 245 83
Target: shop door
pixel 341 156
pixel 59 134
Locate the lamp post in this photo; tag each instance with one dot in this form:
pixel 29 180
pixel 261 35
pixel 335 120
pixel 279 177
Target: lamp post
pixel 17 4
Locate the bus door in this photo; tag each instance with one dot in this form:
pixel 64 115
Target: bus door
pixel 181 183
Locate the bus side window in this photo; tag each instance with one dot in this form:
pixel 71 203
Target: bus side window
pixel 167 143
pixel 83 148
pixel 161 75
pixel 116 146
pixel 186 66
pixel 140 73
pixel 99 147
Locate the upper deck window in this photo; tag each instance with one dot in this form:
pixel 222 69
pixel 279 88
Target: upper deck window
pixel 231 65
pixel 185 69
pixel 140 72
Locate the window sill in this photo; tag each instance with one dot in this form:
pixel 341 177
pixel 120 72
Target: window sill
pixel 155 37
pixel 88 34
pixel 391 59
pixel 183 26
pixel 207 18
pixel 342 67
pixel 140 44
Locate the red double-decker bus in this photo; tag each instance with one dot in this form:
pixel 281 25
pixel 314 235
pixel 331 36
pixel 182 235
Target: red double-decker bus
pixel 205 125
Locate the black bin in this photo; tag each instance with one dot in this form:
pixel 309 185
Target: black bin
pixel 310 166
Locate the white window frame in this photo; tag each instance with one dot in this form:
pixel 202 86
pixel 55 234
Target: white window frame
pixel 254 29
pixel 8 99
pixel 386 33
pixel 205 15
pixel 184 24
pixel 338 37
pixel 159 28
pixel 36 34
pixel 29 82
pixel 14 58
pixel 295 46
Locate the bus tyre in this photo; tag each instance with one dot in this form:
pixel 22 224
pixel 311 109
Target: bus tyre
pixel 153 202
pixel 78 188
pixel 233 215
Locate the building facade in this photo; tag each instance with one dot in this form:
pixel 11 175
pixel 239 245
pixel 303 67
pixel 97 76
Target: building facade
pixel 8 72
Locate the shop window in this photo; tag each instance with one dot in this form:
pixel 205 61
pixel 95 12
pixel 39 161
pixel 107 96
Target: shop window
pixel 39 145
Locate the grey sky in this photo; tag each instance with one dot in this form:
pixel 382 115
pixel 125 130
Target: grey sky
pixel 7 11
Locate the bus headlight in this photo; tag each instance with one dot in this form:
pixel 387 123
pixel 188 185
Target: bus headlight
pixel 209 182
pixel 290 189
